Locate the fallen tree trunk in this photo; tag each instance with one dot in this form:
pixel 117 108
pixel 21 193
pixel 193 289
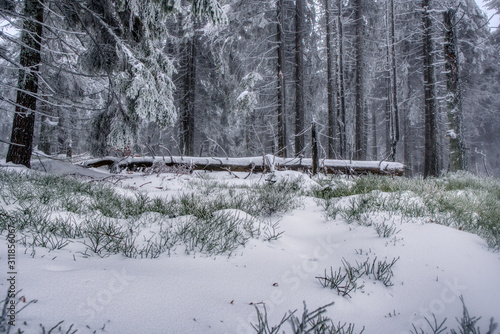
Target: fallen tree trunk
pixel 262 164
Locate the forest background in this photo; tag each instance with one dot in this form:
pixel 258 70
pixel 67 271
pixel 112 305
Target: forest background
pixel 415 81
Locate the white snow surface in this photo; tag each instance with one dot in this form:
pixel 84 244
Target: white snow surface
pixel 199 294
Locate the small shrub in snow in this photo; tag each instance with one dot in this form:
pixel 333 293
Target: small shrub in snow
pixel 309 322
pixel 380 270
pixel 103 236
pixel 339 281
pixel 278 197
pixel 271 231
pixel 344 281
pixel 385 230
pixel 358 209
pixel 466 324
pixel 217 233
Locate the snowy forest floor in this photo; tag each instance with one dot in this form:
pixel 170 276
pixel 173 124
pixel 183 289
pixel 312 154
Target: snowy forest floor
pixel 211 252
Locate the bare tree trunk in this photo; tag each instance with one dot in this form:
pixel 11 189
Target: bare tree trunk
pixel 458 156
pixel 360 150
pixel 431 156
pixel 394 83
pixel 374 139
pixel 24 119
pixel 407 136
pixel 341 114
pixel 280 36
pixel 332 124
pixel 314 146
pixel 388 109
pixel 299 78
pixel 189 97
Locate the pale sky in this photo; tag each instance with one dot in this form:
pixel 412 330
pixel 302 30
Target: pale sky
pixel 495 21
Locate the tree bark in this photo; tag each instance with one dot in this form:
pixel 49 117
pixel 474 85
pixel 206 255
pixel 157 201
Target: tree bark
pixel 458 156
pixel 394 82
pixel 30 58
pixel 314 147
pixel 374 136
pixel 360 150
pixel 189 97
pixel 332 124
pixel 280 36
pixel 431 156
pixel 299 78
pixel 341 115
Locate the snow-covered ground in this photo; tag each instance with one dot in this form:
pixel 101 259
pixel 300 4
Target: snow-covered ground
pixel 196 293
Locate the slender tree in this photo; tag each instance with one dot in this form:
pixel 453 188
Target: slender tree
pixel 341 107
pixel 332 124
pixel 458 156
pixel 431 156
pixel 187 112
pixel 280 38
pixel 299 78
pixel 394 81
pixel 360 149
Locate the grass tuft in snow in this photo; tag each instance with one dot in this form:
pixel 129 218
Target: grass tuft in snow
pixel 308 322
pixel 466 325
pixel 217 233
pixel 6 314
pixel 344 280
pixel 385 230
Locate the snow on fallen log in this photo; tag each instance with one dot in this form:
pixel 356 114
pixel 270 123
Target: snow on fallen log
pixel 267 163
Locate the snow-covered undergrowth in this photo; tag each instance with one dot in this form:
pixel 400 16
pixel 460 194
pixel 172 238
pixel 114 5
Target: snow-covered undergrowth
pixel 462 201
pixel 52 211
pixel 238 253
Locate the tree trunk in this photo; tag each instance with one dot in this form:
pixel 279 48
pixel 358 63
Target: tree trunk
pixel 341 115
pixel 280 36
pixel 458 160
pixel 360 150
pixel 374 138
pixel 24 119
pixel 314 146
pixel 332 124
pixel 407 135
pixel 299 78
pixel 394 83
pixel 189 97
pixel 431 156
pixel 260 164
pixel 388 109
